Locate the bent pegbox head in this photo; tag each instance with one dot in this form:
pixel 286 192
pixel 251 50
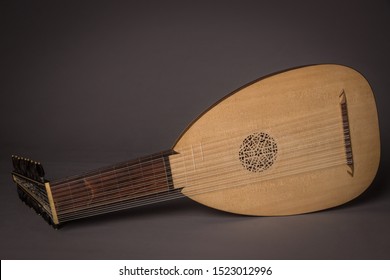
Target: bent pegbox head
pixel 33 189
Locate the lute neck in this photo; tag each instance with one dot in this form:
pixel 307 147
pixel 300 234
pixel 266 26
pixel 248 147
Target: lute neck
pixel 121 186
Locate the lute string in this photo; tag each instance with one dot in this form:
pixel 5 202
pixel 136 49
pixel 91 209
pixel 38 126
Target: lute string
pixel 215 187
pixel 343 157
pixel 111 184
pixel 168 196
pixel 57 183
pixel 193 188
pixel 218 167
pixel 106 179
pixel 97 175
pixel 298 167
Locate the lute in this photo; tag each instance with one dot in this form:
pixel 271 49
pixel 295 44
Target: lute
pixel 295 142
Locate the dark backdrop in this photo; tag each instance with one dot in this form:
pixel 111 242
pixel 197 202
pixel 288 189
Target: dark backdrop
pixel 89 83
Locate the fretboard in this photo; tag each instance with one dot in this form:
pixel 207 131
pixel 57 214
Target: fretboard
pixel 121 186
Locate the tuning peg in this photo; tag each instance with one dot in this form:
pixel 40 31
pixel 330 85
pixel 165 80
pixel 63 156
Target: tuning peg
pixel 35 175
pixel 26 171
pixel 14 162
pixel 17 163
pixel 22 165
pixel 40 172
pixel 29 169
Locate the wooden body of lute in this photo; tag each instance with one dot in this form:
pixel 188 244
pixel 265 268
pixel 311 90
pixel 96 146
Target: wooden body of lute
pixel 295 142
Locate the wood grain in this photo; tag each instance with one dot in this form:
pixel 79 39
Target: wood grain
pixel 298 108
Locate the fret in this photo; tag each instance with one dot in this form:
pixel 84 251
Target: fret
pixel 110 187
pixel 116 180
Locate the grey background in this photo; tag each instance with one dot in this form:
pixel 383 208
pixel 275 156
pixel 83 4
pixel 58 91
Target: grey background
pixel 88 83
